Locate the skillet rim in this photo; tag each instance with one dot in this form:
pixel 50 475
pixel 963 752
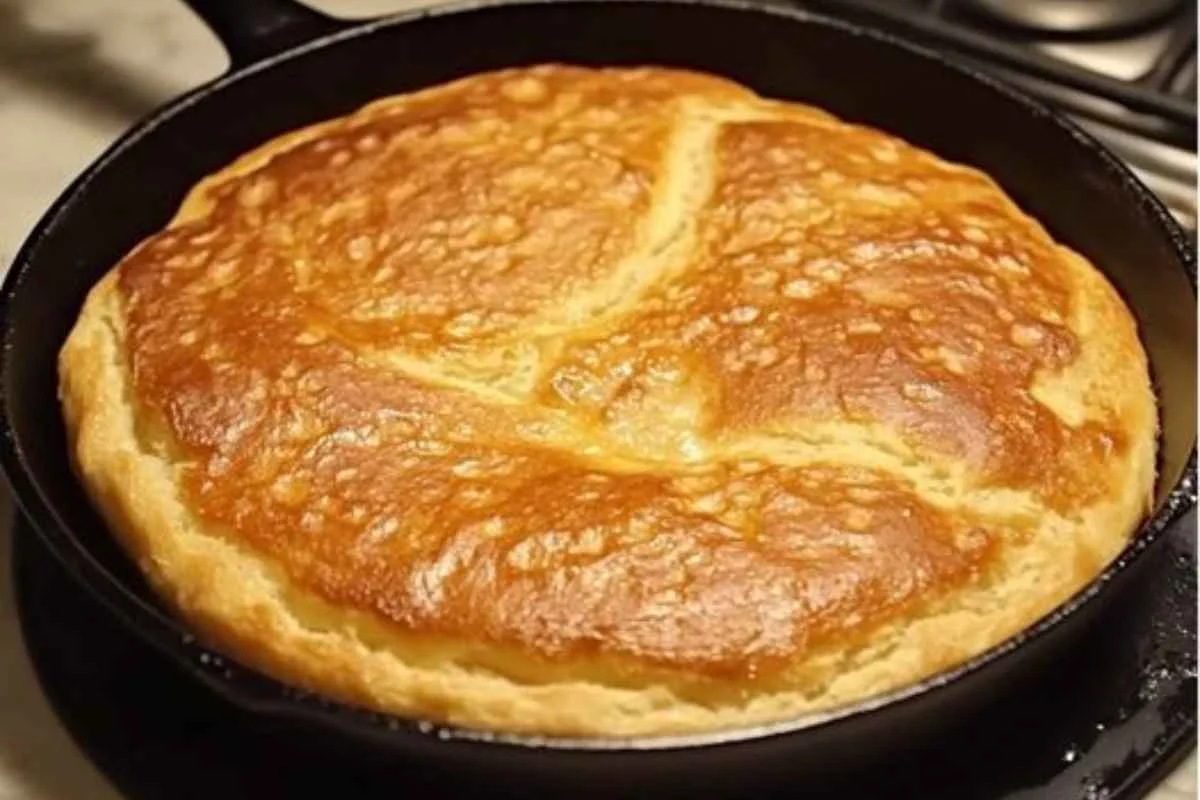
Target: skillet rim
pixel 231 680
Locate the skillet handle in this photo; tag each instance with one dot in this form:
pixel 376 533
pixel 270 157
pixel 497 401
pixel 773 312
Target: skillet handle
pixel 252 30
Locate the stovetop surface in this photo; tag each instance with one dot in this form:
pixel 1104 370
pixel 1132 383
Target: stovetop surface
pixel 1125 51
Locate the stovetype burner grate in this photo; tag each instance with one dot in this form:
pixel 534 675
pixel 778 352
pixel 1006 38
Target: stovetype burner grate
pixel 1125 70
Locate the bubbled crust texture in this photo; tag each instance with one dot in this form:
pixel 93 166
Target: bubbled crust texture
pixel 607 402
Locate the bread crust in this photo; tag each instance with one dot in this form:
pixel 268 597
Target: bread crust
pixel 766 413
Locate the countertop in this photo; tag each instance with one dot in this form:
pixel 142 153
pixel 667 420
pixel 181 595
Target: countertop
pixel 73 77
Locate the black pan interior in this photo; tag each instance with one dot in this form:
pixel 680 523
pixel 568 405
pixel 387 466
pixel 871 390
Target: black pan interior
pixel 1082 195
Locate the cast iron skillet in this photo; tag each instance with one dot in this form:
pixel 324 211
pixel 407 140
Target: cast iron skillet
pixel 292 66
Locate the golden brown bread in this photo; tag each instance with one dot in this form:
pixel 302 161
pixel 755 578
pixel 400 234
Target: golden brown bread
pixel 610 402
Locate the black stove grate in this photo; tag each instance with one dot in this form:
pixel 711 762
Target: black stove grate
pixel 1149 121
